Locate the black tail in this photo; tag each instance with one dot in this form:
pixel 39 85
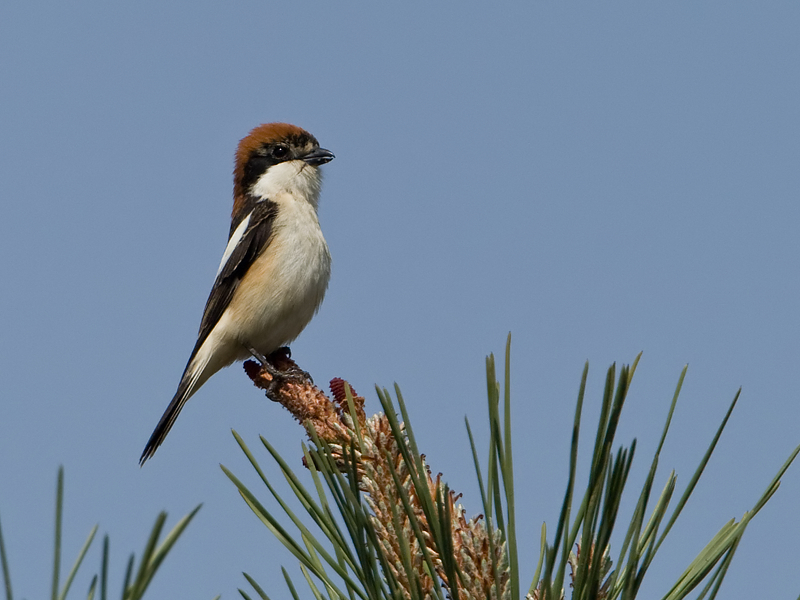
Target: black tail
pixel 168 418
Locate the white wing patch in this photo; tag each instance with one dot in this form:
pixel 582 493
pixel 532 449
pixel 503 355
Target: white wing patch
pixel 234 241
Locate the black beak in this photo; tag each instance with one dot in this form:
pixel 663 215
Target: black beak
pixel 318 156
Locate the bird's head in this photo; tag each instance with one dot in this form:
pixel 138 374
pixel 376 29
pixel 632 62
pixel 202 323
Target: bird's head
pixel 277 157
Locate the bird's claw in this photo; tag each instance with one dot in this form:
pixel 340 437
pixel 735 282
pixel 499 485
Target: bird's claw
pixel 265 363
pixel 288 371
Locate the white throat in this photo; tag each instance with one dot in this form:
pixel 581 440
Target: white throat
pixel 294 177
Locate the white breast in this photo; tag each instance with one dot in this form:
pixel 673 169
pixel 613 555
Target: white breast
pixel 284 287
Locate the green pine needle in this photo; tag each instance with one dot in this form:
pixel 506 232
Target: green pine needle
pixel 578 556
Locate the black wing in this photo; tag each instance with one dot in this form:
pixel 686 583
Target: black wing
pixel 253 242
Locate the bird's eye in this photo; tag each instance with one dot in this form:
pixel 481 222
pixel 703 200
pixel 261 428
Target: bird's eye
pixel 280 151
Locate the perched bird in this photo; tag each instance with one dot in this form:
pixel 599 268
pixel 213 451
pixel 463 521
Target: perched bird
pixel 276 267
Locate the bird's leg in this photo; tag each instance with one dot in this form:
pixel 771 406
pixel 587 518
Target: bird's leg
pixel 281 369
pixel 275 375
pixel 265 363
pixel 281 356
pixel 290 370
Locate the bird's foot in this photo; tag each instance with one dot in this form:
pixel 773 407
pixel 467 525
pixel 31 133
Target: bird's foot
pixel 282 358
pixel 278 369
pixel 266 364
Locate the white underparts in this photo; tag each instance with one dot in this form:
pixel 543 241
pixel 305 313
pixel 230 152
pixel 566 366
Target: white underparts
pixel 284 287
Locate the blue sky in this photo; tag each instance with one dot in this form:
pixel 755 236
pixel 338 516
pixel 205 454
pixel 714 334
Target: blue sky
pixel 599 180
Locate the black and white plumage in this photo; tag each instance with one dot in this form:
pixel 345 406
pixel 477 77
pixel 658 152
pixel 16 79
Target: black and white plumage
pixel 276 266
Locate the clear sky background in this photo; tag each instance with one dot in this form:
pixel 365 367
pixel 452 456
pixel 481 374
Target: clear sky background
pixel 599 179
